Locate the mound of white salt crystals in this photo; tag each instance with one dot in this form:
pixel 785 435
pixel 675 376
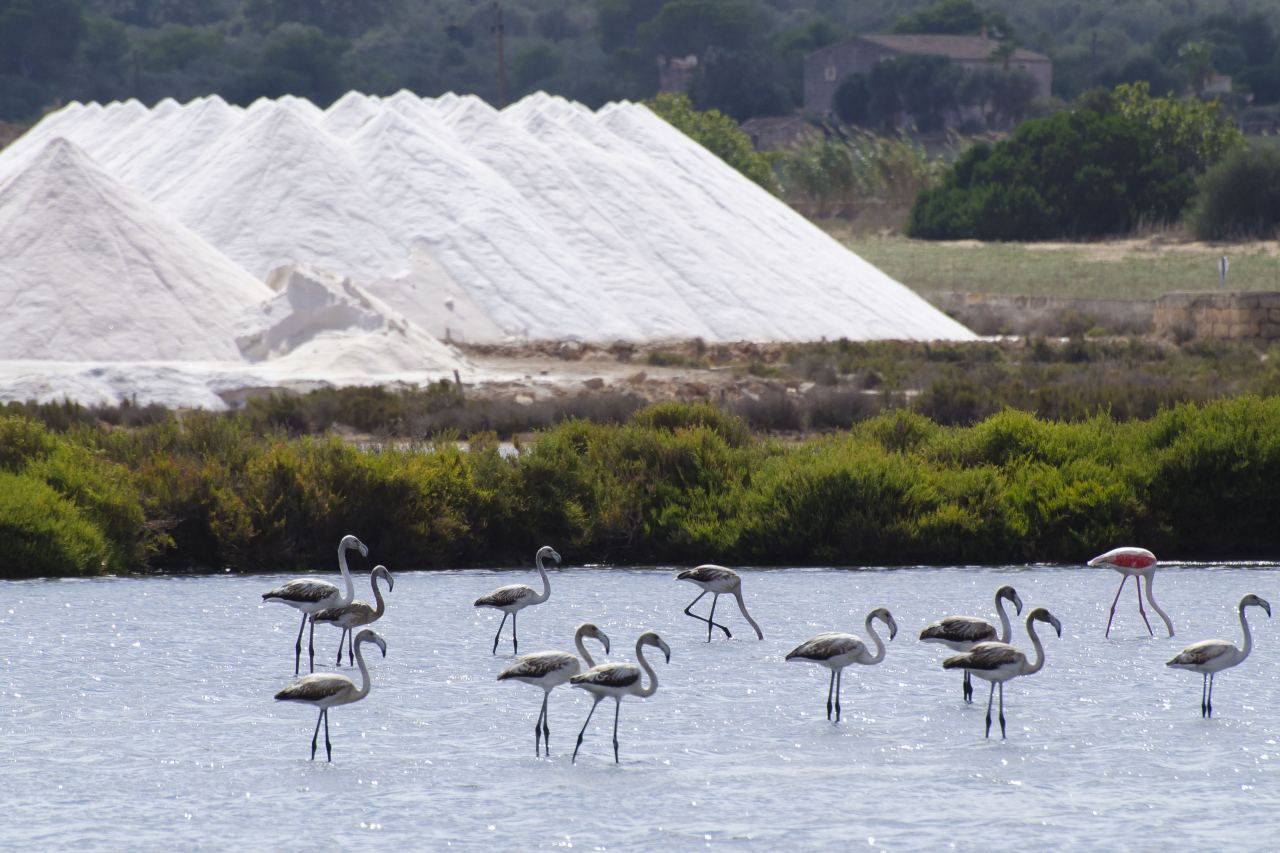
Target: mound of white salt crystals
pixel 92 271
pixel 322 324
pixel 276 190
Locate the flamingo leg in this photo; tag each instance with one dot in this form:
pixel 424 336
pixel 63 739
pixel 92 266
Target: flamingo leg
pixel 546 729
pixel 711 619
pixel 1209 704
pixel 328 747
pixel 584 729
pixel 1204 692
pixel 831 689
pixel 990 699
pixel 297 648
pixel 839 682
pixel 710 623
pixel 1002 710
pixel 1113 605
pixel 1138 586
pixel 515 641
pixel 617 707
pixel 311 647
pixel 499 634
pixel 341 637
pixel 968 687
pixel 351 647
pixel 315 734
pixel 537 726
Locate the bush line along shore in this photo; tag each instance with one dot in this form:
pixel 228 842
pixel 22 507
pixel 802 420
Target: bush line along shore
pixel 676 483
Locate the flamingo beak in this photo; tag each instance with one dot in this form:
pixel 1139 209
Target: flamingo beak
pixel 1017 603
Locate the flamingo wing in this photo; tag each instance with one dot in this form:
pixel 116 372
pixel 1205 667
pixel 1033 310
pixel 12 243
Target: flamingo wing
pixel 356 610
pixel 505 596
pixel 615 675
pixel 708 574
pixel 959 629
pixel 538 665
pixel 315 687
pixel 303 590
pixel 1201 653
pixel 825 646
pixel 985 657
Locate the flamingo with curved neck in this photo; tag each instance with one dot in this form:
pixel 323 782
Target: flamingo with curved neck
pixel 618 680
pixel 513 598
pixel 718 581
pixel 358 613
pixel 1137 563
pixel 311 595
pixel 999 662
pixel 836 651
pixel 1209 657
pixel 961 633
pixel 327 690
pixel 549 670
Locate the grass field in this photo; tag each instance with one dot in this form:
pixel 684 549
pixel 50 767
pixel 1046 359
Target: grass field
pixel 1123 269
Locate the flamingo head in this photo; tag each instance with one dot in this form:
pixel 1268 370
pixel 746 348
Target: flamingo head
pixel 1256 601
pixel 385 573
pixel 348 542
pixel 1010 594
pixel 1042 615
pixel 546 552
pixel 651 638
pixel 886 617
pixel 372 636
pixel 587 629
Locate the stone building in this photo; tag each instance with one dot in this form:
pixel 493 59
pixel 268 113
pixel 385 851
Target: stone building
pixel 825 69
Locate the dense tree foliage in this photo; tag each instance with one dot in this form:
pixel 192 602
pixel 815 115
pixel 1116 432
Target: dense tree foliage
pixel 1240 197
pixel 719 134
pixel 750 52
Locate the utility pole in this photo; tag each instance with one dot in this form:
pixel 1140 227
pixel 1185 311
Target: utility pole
pixel 497 30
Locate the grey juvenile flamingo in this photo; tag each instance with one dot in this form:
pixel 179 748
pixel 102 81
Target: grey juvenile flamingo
pixel 513 598
pixel 961 633
pixel 549 670
pixel 357 613
pixel 618 680
pixel 311 595
pixel 836 651
pixel 1209 657
pixel 718 581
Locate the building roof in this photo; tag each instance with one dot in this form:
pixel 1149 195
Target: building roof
pixel 963 48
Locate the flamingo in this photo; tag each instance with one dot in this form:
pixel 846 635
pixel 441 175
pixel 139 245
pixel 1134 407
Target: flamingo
pixel 836 651
pixel 618 680
pixel 999 662
pixel 717 580
pixel 1208 657
pixel 357 613
pixel 961 633
pixel 513 598
pixel 1137 563
pixel 311 595
pixel 549 670
pixel 327 689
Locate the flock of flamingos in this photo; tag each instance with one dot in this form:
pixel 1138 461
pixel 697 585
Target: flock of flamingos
pixel 980 652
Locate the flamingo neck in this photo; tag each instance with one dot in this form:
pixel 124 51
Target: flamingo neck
pixel 350 594
pixel 365 682
pixel 546 581
pixel 377 598
pixel 737 593
pixel 653 676
pixel 1168 623
pixel 1032 669
pixel 1006 629
pixel 871 629
pixel 582 649
pixel 1248 636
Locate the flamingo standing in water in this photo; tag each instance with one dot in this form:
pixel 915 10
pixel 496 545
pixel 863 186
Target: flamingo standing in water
pixel 311 595
pixel 324 690
pixel 513 598
pixel 618 680
pixel 1208 657
pixel 549 670
pixel 961 633
pixel 357 613
pixel 717 580
pixel 1137 563
pixel 836 651
pixel 1000 662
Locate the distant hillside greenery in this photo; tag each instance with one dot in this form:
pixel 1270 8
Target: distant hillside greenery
pixel 750 51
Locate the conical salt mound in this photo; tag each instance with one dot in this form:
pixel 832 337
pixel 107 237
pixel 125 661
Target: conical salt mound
pixel 92 271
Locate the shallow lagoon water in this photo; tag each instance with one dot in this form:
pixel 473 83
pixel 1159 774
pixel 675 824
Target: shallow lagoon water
pixel 137 714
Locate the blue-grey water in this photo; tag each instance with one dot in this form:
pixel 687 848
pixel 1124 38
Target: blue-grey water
pixel 137 714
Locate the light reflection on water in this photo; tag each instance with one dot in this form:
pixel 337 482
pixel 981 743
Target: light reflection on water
pixel 138 714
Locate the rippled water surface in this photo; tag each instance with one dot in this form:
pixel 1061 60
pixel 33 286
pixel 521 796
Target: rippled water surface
pixel 138 714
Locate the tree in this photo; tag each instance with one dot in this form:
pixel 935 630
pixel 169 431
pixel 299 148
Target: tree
pixel 691 27
pixel 1195 59
pixel 1239 198
pixel 297 60
pixel 957 17
pixel 534 66
pixel 1196 134
pixel 37 37
pixel 719 134
pixel 742 84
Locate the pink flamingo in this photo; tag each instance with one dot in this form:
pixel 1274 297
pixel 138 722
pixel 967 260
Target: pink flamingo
pixel 1137 563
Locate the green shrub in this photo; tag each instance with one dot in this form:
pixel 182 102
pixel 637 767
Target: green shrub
pixel 1240 197
pixel 44 534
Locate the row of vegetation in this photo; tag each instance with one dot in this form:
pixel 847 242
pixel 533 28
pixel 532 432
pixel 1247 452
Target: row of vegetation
pixel 674 483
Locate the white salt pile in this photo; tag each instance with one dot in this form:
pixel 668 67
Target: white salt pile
pixel 90 270
pixel 134 267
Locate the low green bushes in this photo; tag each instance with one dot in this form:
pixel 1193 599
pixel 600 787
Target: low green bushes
pixel 1240 197
pixel 676 483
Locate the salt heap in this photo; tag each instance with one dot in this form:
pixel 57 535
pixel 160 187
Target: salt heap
pixel 91 271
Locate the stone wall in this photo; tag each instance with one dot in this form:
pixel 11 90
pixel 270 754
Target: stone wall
pixel 1219 316
pixel 1004 314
